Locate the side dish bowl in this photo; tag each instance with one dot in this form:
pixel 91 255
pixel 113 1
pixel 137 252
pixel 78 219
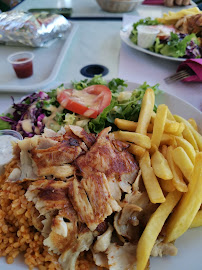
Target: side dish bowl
pixel 118 6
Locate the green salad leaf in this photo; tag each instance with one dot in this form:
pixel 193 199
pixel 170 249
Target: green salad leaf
pixel 97 79
pixel 157 46
pixel 128 108
pixel 116 86
pixel 103 120
pixel 176 47
pixel 4 124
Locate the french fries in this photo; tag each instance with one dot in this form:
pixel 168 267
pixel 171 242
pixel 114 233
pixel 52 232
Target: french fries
pixel 177 180
pixel 189 205
pixel 173 17
pixel 188 147
pixel 180 130
pixel 193 123
pixel 146 111
pixel 139 139
pixel 160 166
pixel 187 135
pixel 182 160
pixel 196 135
pixel 167 186
pixel 153 228
pixel 168 149
pixel 197 222
pixel 170 116
pixel 159 124
pixel 130 125
pixel 150 181
pixel 125 124
pixel 171 127
pixel 136 150
pixel 167 139
pixel 164 150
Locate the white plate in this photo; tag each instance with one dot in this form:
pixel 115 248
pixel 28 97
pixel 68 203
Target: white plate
pixel 125 33
pixel 190 244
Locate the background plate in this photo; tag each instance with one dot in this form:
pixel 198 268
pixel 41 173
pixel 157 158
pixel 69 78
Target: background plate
pixel 125 33
pixel 189 245
pixel 46 63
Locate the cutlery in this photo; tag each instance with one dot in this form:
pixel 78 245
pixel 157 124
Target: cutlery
pixel 180 75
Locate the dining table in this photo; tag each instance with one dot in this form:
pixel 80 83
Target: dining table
pixel 96 41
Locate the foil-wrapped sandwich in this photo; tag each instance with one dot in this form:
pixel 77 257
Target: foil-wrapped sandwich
pixel 31 29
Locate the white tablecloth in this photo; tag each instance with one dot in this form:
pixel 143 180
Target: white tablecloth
pixel 138 67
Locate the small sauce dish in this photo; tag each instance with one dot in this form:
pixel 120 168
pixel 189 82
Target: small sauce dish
pixel 146 36
pixel 22 63
pixel 6 148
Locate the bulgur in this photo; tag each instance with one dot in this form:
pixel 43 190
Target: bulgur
pixel 17 233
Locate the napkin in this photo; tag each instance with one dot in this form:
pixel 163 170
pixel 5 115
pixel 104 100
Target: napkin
pixel 153 2
pixel 196 66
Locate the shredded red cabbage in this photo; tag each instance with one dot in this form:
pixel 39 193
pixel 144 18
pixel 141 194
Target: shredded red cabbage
pixel 31 107
pixel 193 50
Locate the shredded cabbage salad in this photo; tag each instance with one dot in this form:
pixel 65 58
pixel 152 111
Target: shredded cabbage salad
pixel 41 109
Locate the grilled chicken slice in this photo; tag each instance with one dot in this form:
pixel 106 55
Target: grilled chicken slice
pixel 88 139
pixel 48 195
pixel 78 239
pixel 28 168
pixel 100 259
pixel 92 199
pixel 52 155
pixel 122 257
pixel 83 242
pixel 56 156
pixel 51 198
pixel 14 175
pixel 103 241
pixel 62 172
pixel 111 158
pixel 65 236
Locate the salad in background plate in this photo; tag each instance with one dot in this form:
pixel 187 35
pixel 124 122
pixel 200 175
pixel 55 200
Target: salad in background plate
pixel 178 37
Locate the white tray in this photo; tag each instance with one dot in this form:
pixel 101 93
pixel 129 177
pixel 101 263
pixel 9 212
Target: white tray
pixel 47 63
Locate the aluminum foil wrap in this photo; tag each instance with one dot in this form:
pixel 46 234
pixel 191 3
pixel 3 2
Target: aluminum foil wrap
pixel 31 29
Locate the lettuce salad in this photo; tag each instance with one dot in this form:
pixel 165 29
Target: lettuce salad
pixel 41 109
pixel 178 45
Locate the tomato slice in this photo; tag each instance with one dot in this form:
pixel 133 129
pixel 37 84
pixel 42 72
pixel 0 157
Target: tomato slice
pixel 89 102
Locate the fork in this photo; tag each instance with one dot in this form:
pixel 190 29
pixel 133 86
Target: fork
pixel 180 75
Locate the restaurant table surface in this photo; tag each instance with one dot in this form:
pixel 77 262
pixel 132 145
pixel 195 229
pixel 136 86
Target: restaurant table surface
pixel 95 42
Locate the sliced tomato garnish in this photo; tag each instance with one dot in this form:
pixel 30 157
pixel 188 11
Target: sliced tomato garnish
pixel 89 102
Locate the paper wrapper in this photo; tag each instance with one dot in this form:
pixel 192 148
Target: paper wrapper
pixel 31 29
